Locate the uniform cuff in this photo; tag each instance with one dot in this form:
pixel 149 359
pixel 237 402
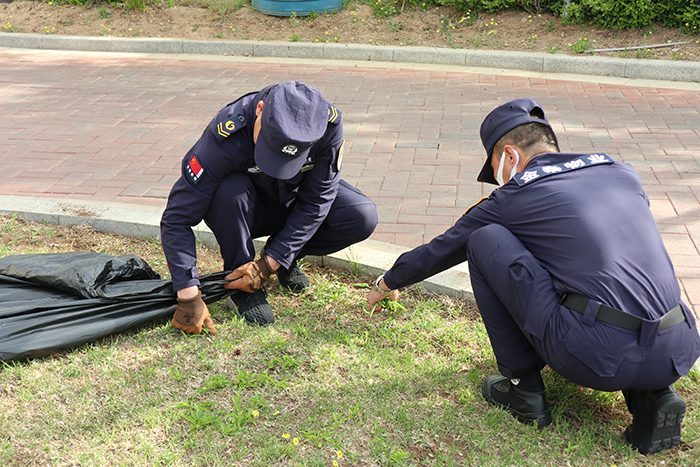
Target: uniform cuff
pixel 389 280
pixel 280 253
pixel 183 279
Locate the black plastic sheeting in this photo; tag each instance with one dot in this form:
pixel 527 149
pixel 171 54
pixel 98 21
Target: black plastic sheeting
pixel 55 302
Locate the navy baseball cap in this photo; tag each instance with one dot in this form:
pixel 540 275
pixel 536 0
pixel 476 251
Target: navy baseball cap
pixel 500 121
pixel 294 117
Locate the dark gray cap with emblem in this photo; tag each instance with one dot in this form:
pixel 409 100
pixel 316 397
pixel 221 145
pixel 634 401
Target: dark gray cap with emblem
pixel 500 121
pixel 294 117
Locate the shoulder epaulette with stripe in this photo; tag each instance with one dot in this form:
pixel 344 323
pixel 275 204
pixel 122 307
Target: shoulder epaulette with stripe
pixel 333 114
pixel 226 125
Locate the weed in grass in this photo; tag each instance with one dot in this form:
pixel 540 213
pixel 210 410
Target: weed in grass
pixel 135 5
pixel 682 56
pixel 645 53
pixel 223 7
pixel 395 25
pixel 553 50
pixel 199 414
pixel 354 260
pixel 214 383
pixel 581 45
pixel 293 19
pixel 294 38
pixel 104 13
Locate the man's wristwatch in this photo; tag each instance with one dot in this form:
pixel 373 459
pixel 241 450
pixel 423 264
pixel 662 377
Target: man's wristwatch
pixel 379 289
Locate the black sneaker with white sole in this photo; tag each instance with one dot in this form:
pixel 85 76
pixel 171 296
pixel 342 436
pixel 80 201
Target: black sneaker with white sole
pixel 657 417
pixel 293 279
pixel 252 306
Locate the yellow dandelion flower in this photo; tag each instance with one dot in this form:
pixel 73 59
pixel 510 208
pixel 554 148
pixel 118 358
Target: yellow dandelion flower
pixel 255 414
pixel 339 454
pixel 285 436
pixel 295 441
pixel 335 463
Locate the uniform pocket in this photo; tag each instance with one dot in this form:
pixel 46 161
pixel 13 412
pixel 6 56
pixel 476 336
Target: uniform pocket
pixel 542 301
pixel 602 362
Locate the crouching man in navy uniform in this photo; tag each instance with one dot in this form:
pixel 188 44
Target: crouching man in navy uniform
pixel 267 164
pixel 568 270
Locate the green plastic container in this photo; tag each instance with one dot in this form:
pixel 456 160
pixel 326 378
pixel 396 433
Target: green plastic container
pixel 296 7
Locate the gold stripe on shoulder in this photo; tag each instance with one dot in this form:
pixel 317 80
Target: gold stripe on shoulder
pixel 332 113
pixel 476 204
pixel 221 131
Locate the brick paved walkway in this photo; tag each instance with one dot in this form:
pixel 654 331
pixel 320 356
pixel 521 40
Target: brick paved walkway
pixel 113 127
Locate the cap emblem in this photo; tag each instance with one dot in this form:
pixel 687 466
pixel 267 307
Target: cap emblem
pixel 290 150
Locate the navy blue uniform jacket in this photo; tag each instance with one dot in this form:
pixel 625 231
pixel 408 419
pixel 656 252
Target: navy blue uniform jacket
pixel 226 146
pixel 585 218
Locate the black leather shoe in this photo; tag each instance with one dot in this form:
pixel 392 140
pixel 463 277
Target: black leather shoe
pixel 252 306
pixel 657 417
pixel 293 279
pixel 526 406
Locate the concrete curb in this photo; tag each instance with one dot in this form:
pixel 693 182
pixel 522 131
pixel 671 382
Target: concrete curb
pixel 666 70
pixel 370 257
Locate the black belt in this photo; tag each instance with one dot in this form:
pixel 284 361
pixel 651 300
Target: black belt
pixel 619 318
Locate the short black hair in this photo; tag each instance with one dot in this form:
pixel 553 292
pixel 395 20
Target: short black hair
pixel 529 137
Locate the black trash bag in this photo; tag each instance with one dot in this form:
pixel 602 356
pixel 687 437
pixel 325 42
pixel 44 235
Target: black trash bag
pixel 54 302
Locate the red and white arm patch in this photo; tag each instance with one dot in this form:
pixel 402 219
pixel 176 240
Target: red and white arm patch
pixel 194 169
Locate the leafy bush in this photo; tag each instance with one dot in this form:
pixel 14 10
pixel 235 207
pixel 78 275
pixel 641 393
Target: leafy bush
pixel 681 13
pixel 615 14
pixel 480 5
pixel 490 6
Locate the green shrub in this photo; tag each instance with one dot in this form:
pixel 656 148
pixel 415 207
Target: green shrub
pixel 491 6
pixel 684 14
pixel 615 14
pixel 480 5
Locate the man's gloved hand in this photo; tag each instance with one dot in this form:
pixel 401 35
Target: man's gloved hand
pixel 250 276
pixel 191 313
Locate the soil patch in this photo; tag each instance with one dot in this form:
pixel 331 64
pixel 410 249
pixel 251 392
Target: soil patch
pixel 355 24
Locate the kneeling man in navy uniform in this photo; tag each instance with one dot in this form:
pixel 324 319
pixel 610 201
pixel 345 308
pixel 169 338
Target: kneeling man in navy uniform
pixel 568 270
pixel 267 164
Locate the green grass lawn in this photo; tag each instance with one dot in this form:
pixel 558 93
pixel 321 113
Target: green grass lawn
pixel 329 384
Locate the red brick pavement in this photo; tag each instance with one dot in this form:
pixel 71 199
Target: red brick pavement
pixel 114 127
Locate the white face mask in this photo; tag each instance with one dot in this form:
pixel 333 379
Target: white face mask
pixel 513 171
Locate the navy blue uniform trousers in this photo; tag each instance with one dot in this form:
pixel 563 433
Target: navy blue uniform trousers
pixel 239 213
pixel 528 328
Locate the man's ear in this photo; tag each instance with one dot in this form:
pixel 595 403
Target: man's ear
pixel 258 108
pixel 510 153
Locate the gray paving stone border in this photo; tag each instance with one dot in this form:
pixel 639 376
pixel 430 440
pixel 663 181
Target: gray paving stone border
pixel 666 70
